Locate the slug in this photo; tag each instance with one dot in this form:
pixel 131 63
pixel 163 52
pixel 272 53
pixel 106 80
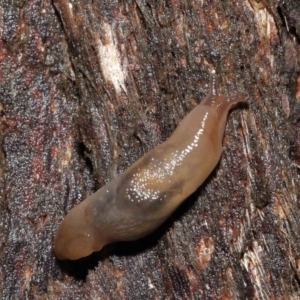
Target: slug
pixel 141 198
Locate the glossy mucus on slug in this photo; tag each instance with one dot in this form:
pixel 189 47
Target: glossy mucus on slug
pixel 141 198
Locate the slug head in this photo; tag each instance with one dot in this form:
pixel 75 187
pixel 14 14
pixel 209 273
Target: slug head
pixel 221 103
pixel 75 238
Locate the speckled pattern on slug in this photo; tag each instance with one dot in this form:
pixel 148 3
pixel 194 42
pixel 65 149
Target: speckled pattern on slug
pixel 141 185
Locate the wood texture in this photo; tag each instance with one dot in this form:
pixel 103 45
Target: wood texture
pixel 87 87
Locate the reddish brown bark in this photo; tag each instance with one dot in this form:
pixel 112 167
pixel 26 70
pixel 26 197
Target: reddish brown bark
pixel 88 87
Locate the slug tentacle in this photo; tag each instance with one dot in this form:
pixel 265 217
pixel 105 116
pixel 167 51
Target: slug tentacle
pixel 221 103
pixel 140 199
pixel 213 84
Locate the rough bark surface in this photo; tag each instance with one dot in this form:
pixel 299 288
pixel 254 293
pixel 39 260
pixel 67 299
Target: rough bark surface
pixel 87 87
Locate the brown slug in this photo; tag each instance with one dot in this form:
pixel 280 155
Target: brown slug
pixel 141 198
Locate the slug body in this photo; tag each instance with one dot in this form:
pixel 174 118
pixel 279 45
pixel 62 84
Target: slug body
pixel 140 199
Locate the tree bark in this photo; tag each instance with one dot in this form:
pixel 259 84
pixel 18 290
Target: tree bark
pixel 87 87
